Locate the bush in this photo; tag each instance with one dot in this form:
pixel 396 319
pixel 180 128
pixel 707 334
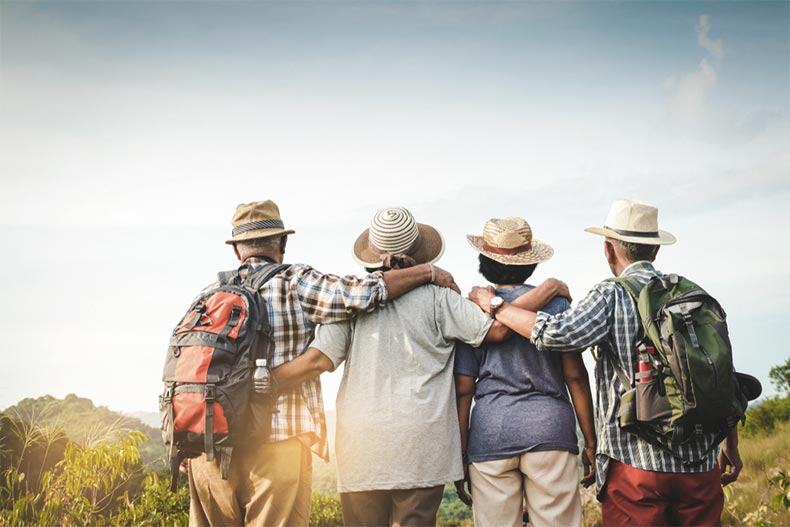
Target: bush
pixel 325 511
pixel 765 416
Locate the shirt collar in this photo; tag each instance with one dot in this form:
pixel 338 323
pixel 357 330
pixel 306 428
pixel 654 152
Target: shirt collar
pixel 641 265
pixel 253 260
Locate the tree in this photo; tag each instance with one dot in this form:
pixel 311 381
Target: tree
pixel 780 376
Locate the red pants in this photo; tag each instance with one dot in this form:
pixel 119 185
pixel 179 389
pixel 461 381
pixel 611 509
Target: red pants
pixel 643 497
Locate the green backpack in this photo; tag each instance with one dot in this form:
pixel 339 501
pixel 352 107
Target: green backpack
pixel 685 385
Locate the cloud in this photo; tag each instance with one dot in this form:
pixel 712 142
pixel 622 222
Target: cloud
pixel 714 47
pixel 690 91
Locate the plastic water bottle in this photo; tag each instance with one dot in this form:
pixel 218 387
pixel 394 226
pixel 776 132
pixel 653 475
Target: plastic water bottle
pixel 262 378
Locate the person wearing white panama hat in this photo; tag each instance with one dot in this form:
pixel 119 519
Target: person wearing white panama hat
pixel 269 477
pixel 521 443
pixel 397 441
pixel 638 483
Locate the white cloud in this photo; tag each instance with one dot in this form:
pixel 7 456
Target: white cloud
pixel 691 89
pixel 715 47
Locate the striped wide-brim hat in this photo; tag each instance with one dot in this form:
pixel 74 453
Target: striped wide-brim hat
pixel 259 219
pixel 393 231
pixel 509 241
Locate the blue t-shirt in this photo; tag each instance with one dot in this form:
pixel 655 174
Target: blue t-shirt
pixel 521 401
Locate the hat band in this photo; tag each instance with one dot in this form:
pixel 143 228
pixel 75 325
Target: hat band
pixel 507 251
pixel 255 225
pixel 637 234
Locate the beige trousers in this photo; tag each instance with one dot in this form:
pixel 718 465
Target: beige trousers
pixel 269 485
pixel 549 481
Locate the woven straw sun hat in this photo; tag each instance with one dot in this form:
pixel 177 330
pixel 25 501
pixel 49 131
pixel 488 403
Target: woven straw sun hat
pixel 634 221
pixel 259 219
pixel 509 241
pixel 393 231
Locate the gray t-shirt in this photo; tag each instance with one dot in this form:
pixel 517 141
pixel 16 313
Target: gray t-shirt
pixel 521 401
pixel 397 426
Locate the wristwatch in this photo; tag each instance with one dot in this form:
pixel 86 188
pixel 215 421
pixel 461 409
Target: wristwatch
pixel 495 304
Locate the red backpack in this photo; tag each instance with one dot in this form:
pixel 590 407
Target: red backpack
pixel 208 405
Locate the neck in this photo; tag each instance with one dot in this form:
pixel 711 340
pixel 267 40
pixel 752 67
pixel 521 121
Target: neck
pixel 507 285
pixel 264 257
pixel 620 266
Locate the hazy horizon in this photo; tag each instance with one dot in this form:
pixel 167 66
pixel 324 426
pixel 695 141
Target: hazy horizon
pixel 131 130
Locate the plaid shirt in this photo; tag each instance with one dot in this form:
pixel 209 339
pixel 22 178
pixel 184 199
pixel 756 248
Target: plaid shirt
pixel 607 318
pixel 298 298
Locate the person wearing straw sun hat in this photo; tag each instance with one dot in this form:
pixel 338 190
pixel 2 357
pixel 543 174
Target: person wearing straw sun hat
pixel 268 478
pixel 397 441
pixel 522 439
pixel 638 483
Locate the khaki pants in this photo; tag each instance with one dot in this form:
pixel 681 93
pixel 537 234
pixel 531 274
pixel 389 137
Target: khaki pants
pixel 268 485
pixel 395 508
pixel 549 480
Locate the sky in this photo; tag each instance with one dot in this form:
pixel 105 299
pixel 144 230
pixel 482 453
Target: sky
pixel 129 131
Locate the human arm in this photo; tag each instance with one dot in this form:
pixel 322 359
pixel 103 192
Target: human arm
pixel 516 318
pixel 578 383
pixel 730 458
pixel 537 297
pixel 401 281
pixel 573 330
pixel 464 392
pixel 327 298
pixel 306 366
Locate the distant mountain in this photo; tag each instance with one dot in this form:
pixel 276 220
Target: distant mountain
pixel 83 422
pixel 149 418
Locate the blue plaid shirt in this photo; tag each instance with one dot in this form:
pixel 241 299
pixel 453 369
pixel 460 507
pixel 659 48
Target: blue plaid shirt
pixel 607 318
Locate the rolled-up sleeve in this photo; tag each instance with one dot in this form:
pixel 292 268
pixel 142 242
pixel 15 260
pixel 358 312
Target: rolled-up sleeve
pixel 327 298
pixel 577 328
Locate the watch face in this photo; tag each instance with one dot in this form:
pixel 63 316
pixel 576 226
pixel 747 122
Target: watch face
pixel 497 301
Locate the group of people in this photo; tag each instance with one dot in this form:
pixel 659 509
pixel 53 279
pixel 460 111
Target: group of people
pixel 416 353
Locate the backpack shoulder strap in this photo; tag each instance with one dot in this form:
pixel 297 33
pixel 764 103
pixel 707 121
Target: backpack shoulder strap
pixel 633 287
pixel 630 284
pixel 257 278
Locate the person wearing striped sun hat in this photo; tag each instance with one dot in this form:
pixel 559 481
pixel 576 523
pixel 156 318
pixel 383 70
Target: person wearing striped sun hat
pixel 397 437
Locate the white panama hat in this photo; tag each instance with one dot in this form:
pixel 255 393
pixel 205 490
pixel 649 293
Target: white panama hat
pixel 634 221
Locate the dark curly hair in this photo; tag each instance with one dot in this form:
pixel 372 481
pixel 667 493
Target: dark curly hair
pixel 499 273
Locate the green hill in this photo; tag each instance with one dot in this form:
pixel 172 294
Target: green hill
pixel 82 422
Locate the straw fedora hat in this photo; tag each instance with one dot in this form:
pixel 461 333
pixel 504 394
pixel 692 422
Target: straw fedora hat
pixel 509 241
pixel 259 219
pixel 393 231
pixel 634 221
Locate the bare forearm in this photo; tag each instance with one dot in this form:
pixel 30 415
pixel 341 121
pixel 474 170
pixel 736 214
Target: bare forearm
pixel 519 320
pixel 541 295
pixel 464 403
pixel 402 281
pixel 306 366
pixel 578 383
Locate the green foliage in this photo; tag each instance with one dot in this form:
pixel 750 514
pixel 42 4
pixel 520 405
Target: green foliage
pixel 84 488
pixel 325 511
pixel 781 480
pixel 156 505
pixel 86 424
pixel 780 376
pixel 765 416
pixel 452 511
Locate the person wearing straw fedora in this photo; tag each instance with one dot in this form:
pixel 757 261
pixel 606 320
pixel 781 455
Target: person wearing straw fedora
pixel 269 478
pixel 638 482
pixel 522 439
pixel 397 438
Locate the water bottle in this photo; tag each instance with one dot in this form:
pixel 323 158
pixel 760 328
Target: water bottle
pixel 262 378
pixel 645 364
